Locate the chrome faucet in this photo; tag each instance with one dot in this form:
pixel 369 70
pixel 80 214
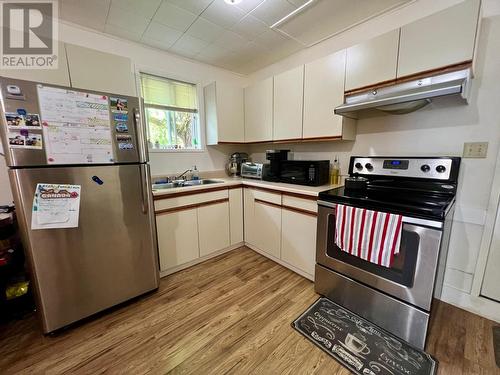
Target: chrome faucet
pixel 182 174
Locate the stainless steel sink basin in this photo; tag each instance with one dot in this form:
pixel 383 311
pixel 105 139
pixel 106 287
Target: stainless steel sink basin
pixel 202 182
pixel 177 184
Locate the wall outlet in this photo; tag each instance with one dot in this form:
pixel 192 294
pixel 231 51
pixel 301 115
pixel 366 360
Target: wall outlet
pixel 475 149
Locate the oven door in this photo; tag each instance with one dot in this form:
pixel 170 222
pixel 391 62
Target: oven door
pixel 411 277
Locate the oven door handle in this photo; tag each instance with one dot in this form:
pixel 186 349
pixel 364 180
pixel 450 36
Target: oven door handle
pixel 406 219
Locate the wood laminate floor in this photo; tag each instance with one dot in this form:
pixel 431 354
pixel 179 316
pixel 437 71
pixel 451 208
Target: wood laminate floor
pixel 231 315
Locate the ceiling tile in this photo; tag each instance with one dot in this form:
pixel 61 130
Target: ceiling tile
pixel 173 16
pixel 205 30
pixel 156 43
pixel 271 38
pixel 189 44
pixel 193 6
pixel 164 35
pixel 213 53
pixel 326 18
pixel 121 17
pixel 91 13
pixel 272 11
pixel 230 40
pixel 250 27
pixel 297 3
pixel 122 33
pixel 223 14
pixel 249 5
pixel 145 8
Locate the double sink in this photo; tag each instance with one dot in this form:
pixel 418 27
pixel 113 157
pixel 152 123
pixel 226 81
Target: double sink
pixel 180 183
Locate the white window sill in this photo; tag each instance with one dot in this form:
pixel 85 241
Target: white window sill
pixel 181 150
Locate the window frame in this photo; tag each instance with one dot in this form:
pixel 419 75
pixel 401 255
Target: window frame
pixel 200 101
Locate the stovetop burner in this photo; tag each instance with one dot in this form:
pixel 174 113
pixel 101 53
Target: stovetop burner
pixel 414 190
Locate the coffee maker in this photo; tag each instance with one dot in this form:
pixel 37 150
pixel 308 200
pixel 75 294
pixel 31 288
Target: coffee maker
pixel 233 167
pixel 271 171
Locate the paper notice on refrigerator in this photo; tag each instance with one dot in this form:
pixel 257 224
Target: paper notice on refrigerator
pixel 55 206
pixel 76 126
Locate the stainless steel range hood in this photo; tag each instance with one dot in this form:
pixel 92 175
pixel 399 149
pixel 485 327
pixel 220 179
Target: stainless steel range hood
pixel 406 97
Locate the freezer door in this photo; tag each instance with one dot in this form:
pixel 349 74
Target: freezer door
pixel 72 143
pixel 111 257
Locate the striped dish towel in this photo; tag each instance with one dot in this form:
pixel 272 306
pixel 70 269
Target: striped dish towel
pixel 370 235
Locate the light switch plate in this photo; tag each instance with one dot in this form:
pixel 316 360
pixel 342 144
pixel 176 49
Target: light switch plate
pixel 475 149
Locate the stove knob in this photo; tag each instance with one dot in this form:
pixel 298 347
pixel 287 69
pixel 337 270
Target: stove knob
pixel 425 168
pixel 369 166
pixel 358 166
pixel 440 169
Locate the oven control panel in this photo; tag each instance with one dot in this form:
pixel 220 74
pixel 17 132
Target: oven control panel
pixel 428 168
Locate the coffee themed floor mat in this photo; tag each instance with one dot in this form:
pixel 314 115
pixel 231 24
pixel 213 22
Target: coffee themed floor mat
pixel 359 345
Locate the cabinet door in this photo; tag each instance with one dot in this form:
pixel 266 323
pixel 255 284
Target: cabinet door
pixel 248 215
pixel 323 91
pixel 94 70
pixel 259 111
pixel 236 215
pixel 213 227
pixel 288 104
pixel 442 39
pixel 373 61
pixel 224 113
pixel 267 220
pixel 59 76
pixel 298 240
pixel 177 238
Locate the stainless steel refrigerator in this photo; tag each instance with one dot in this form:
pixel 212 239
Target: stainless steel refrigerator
pixel 99 249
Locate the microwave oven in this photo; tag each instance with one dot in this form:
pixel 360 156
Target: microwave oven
pixel 305 172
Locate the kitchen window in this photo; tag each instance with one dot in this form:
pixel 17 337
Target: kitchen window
pixel 171 111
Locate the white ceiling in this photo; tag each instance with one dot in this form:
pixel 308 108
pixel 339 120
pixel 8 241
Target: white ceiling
pixel 235 37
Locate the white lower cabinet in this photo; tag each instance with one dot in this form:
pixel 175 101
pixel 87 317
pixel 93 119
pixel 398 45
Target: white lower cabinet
pixel 248 217
pixel 236 215
pixel 282 226
pixel 267 219
pixel 213 227
pixel 177 237
pixel 298 240
pixel 192 227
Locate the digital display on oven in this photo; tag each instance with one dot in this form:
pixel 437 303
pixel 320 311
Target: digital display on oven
pixel 396 164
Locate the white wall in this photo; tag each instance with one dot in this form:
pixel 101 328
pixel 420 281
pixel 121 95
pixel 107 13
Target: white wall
pixel 162 63
pixel 439 129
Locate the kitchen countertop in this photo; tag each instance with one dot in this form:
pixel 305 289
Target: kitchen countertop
pixel 228 181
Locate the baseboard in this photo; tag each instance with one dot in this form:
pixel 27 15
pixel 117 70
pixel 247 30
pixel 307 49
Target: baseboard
pixel 200 260
pixel 279 261
pixel 476 305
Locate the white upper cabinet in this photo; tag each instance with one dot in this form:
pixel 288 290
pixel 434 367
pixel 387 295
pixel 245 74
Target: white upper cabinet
pixel 224 112
pixel 288 104
pixel 373 61
pixel 59 76
pixel 99 71
pixel 442 39
pixel 259 111
pixel 323 91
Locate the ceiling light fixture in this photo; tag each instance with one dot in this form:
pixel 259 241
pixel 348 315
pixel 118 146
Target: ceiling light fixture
pixel 291 14
pixel 232 2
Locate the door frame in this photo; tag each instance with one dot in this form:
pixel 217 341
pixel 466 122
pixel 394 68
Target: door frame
pixel 492 212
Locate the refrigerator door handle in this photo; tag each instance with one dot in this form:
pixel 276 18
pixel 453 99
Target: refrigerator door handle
pixel 141 135
pixel 144 188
